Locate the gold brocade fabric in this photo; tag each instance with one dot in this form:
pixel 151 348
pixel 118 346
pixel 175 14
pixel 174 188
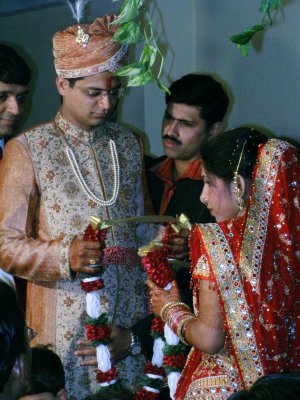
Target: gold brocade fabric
pixel 43 207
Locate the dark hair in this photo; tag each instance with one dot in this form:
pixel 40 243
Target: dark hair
pixel 13 68
pixel 47 372
pixel 200 91
pixel 72 81
pixel 111 393
pixel 285 386
pixel 12 332
pixel 220 155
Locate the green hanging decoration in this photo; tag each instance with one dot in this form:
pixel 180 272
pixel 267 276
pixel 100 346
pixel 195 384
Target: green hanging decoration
pixel 243 39
pixel 141 72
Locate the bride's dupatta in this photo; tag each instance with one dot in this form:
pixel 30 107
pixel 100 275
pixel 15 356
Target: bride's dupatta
pixel 254 264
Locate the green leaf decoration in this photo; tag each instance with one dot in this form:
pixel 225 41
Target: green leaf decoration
pixel 101 320
pixel 153 383
pixel 142 72
pixel 141 79
pixel 270 5
pixel 129 11
pixel 128 70
pixel 162 86
pixel 245 36
pixel 178 349
pixel 129 33
pixel 243 49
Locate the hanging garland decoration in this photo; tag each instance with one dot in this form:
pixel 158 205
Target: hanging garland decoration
pixel 168 352
pixel 97 326
pixel 243 39
pixel 142 71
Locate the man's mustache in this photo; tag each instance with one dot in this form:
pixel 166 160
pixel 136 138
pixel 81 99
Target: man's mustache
pixel 172 138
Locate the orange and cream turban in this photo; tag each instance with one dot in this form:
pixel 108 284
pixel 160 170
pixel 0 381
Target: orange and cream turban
pixel 84 50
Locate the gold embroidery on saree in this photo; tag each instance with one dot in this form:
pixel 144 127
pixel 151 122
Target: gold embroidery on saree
pixel 233 298
pixel 202 267
pixel 209 388
pixel 257 221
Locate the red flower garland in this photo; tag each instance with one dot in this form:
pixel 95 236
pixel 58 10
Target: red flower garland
pixel 91 286
pixel 175 361
pixel 156 265
pixel 157 327
pixel 97 333
pixel 153 369
pixel 94 235
pixel 106 377
pixel 143 394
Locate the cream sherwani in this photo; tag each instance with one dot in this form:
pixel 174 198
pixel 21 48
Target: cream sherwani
pixel 43 207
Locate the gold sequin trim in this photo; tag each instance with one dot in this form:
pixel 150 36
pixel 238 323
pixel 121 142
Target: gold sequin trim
pixel 257 221
pixel 230 286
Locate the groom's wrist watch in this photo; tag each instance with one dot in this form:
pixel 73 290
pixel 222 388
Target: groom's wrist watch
pixel 135 345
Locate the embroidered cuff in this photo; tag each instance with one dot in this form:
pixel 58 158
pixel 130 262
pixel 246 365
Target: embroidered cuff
pixel 64 257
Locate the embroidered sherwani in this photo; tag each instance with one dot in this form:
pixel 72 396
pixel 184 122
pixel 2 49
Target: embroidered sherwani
pixel 43 208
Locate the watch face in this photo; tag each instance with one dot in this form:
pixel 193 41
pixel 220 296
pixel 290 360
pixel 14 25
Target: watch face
pixel 135 349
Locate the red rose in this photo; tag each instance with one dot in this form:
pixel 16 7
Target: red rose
pixel 91 286
pixel 143 394
pixel 157 267
pixel 92 235
pixel 157 325
pixel 97 333
pixel 108 376
pixel 176 361
pixel 153 369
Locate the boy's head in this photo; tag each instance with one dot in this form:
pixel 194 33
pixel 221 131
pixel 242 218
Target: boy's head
pixel 47 380
pixel 15 354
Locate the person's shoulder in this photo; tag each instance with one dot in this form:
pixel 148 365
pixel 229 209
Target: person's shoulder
pixel 34 130
pixel 153 161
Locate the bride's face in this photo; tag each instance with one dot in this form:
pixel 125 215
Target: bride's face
pixel 218 196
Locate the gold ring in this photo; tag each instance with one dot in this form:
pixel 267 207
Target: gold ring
pixel 92 261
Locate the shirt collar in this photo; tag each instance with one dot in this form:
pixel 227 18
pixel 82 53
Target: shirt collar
pixel 72 130
pixel 164 171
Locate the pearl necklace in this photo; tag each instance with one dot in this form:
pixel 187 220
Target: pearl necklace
pixel 83 184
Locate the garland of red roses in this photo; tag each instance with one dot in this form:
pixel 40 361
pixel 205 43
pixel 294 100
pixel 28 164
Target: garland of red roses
pixel 98 329
pixel 159 270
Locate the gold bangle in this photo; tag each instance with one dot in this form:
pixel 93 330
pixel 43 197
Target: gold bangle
pixel 169 305
pixel 182 328
pixel 165 308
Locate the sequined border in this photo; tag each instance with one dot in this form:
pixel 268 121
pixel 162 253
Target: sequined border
pixel 209 388
pixel 235 306
pixel 257 221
